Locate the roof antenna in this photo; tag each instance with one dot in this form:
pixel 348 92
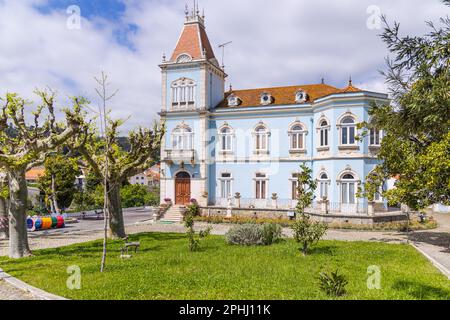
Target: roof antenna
pixel 222 46
pixel 350 81
pixel 323 80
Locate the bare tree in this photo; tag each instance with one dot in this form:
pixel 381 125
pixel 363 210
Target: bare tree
pixel 23 146
pixel 113 164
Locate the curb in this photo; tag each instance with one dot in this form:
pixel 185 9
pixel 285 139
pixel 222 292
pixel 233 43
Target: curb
pixel 438 265
pixel 38 293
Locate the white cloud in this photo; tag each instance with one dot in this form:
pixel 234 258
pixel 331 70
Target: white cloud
pixel 274 43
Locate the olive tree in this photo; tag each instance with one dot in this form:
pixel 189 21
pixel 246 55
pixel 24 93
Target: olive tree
pixel 25 145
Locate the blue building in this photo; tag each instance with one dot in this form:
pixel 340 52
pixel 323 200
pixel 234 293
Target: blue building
pixel 246 146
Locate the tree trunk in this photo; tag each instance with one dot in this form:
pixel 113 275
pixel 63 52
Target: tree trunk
pixel 305 248
pixel 116 224
pixel 54 199
pixel 4 228
pixel 18 234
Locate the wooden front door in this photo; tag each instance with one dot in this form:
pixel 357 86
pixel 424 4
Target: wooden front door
pixel 182 188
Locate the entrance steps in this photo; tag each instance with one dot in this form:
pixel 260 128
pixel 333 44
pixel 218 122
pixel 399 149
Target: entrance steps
pixel 174 214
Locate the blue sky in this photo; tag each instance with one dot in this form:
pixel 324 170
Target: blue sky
pixel 275 43
pixel 107 9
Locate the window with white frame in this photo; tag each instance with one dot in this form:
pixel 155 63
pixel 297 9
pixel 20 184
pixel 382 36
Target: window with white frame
pixel 182 138
pixel 323 185
pixel 378 195
pixel 226 139
pixel 261 186
pixel 225 185
pixel 375 137
pixel 348 131
pixel 324 129
pixel 261 138
pixel 183 93
pixel 298 137
pixel 294 186
pixel 348 189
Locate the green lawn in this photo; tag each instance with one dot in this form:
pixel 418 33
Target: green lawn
pixel 165 269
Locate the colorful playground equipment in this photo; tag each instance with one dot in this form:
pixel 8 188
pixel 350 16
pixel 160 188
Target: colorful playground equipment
pixel 44 223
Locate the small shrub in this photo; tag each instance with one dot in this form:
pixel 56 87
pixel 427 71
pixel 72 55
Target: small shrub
pixel 308 232
pixel 271 233
pixel 194 242
pixel 333 284
pixel 246 234
pixel 193 209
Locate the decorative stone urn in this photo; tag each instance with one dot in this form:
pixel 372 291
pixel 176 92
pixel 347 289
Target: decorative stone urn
pixel 237 196
pixel 274 200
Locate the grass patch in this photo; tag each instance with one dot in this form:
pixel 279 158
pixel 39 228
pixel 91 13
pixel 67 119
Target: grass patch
pixel 165 269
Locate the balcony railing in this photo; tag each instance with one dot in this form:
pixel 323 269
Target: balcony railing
pixel 178 156
pixel 361 208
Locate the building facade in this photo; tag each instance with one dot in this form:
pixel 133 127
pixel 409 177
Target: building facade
pixel 247 145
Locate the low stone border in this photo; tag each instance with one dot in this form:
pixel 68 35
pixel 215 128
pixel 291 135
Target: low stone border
pixel 38 293
pixel 438 265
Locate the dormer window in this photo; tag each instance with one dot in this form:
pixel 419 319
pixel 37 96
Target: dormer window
pixel 266 99
pixel 233 100
pixel 183 58
pixel 301 96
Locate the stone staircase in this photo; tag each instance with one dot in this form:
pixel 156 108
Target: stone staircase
pixel 174 214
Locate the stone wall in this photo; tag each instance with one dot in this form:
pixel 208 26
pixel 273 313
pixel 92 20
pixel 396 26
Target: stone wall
pixel 328 218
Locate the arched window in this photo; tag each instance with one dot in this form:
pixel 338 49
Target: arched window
pixel 182 138
pixel 323 185
pixel 183 93
pixel 323 133
pixel 226 139
pixel 261 138
pixel 297 135
pixel 348 189
pixel 375 137
pixel 348 131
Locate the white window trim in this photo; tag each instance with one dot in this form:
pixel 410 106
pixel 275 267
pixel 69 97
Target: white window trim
pixel 237 101
pixel 380 138
pixel 326 181
pixel 230 180
pixel 340 181
pixel 291 133
pixel 187 137
pixel 269 100
pixel 181 91
pixel 321 128
pixel 267 135
pixel 232 139
pixel 341 126
pixel 266 179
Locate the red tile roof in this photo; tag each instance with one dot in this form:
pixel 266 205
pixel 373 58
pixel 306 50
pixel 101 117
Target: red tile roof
pixel 35 173
pixel 284 95
pixel 193 41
